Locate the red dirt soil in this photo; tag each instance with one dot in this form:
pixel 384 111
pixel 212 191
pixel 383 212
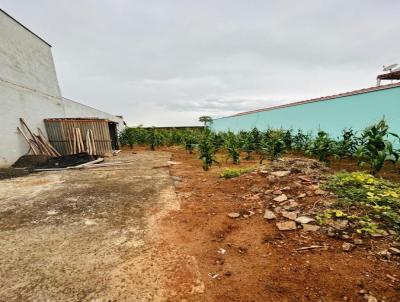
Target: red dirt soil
pixel 261 263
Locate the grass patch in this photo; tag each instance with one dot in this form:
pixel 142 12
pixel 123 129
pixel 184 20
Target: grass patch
pixel 235 172
pixel 371 204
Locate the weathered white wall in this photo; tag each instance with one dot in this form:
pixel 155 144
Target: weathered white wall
pixel 25 59
pixel 29 89
pixel 75 109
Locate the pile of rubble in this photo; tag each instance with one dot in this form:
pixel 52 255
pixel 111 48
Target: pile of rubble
pixel 294 198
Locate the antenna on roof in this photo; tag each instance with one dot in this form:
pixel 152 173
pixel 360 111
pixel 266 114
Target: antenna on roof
pixel 389 67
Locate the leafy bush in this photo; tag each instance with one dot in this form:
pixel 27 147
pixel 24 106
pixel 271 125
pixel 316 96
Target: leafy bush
pixel 368 201
pixel 375 147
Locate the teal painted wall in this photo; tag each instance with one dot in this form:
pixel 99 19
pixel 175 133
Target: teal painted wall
pixel 356 111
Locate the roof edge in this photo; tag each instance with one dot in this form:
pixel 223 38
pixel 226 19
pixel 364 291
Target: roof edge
pixel 11 17
pixel 313 100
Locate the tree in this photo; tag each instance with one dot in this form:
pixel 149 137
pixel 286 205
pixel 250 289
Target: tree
pixel 206 120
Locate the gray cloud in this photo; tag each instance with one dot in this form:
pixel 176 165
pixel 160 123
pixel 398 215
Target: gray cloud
pixel 168 62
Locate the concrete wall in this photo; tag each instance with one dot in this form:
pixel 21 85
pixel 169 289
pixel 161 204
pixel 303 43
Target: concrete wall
pixel 75 109
pixel 25 59
pixel 356 111
pixel 29 89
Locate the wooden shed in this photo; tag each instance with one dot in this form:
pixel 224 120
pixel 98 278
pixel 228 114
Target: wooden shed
pixel 60 134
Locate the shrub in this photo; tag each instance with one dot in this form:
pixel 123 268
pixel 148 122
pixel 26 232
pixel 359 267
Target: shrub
pixel 375 147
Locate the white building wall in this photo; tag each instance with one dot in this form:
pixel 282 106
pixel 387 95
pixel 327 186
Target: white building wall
pixel 25 59
pixel 75 109
pixel 29 89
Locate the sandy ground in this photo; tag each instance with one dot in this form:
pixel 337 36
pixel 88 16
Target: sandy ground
pixel 92 235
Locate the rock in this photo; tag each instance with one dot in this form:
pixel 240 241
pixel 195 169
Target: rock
pixel 278 209
pixel 358 241
pixel 302 195
pixel 269 215
pixel 304 219
pixel 320 192
pixel 347 247
pixel 310 228
pixel 310 193
pixel 289 215
pixel 345 237
pixel 305 178
pixel 281 198
pixel 394 251
pixel 280 173
pixel 286 226
pixel 331 232
pixel 287 188
pixel 384 254
pixel 52 212
pixel 291 206
pixel 277 192
pixel 372 299
pixel 271 178
pixel 233 215
pixel 221 251
pixel 339 224
pixel 176 178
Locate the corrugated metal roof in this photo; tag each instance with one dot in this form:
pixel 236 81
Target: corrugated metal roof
pixel 11 17
pixel 324 98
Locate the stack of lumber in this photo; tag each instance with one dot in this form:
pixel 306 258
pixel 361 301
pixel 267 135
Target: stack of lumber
pixel 38 143
pixel 77 144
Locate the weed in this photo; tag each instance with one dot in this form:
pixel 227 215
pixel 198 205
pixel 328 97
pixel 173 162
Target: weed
pixel 369 201
pixel 234 172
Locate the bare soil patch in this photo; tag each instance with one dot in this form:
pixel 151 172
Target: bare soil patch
pixel 249 259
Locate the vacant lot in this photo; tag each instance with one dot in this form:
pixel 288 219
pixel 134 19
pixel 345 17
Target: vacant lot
pixel 90 235
pixel 136 233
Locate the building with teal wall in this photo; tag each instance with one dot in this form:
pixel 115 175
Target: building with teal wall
pixel 356 109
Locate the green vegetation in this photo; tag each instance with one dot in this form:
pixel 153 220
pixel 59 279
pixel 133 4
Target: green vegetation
pixel 235 172
pixel 372 148
pixel 375 147
pixel 206 150
pixel 370 203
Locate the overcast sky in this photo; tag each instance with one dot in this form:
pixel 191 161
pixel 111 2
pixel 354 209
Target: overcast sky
pixel 166 63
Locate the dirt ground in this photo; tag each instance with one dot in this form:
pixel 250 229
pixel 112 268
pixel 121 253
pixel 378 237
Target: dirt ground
pixel 91 235
pixel 156 230
pixel 248 259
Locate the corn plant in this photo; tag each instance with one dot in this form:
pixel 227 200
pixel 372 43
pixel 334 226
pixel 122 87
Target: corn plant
pixel 273 145
pixel 206 150
pixel 256 139
pixel 246 143
pixel 154 138
pixel 232 145
pixel 301 140
pixel 287 138
pixel 190 140
pixel 375 147
pixel 347 145
pixel 321 147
